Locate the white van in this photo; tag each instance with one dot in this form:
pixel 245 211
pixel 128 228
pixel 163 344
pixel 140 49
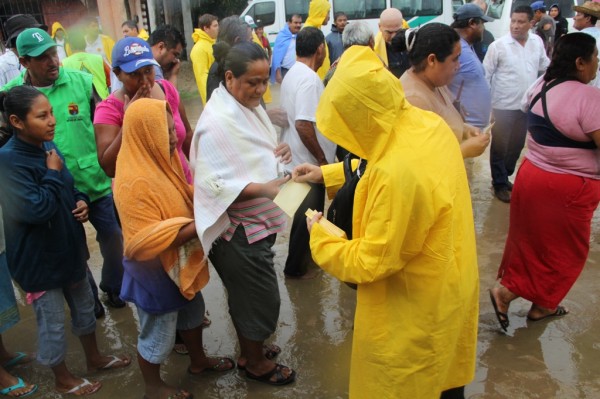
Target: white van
pixel 273 14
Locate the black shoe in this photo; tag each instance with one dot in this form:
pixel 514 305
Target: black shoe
pixel 510 186
pixel 503 194
pixel 113 300
pixel 98 309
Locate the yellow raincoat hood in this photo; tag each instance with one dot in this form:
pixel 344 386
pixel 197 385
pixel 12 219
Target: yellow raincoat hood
pixel 362 84
pixel 55 27
pixel 200 34
pixel 317 11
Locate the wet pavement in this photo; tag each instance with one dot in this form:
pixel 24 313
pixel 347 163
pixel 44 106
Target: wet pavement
pixel 549 359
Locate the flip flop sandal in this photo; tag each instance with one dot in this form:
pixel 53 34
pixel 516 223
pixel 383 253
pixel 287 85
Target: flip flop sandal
pixel 181 349
pixel 560 311
pixel 502 317
pixel 220 366
pixel 16 360
pixel 85 383
pixel 181 394
pixel 111 365
pixel 277 371
pixel 269 350
pixel 20 384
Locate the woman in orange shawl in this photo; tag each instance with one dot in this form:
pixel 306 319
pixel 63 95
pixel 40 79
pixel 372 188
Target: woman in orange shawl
pixel 164 269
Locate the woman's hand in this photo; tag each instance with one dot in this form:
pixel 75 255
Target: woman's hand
pixel 284 153
pixel 53 160
pixel 475 146
pixel 470 131
pixel 82 211
pixel 143 92
pixel 311 221
pixel 307 173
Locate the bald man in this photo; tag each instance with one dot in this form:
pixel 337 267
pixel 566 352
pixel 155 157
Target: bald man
pixel 390 22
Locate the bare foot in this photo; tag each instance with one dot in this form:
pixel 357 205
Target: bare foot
pixel 214 364
pixel 110 362
pixel 537 313
pixel 500 300
pixel 269 350
pixel 79 387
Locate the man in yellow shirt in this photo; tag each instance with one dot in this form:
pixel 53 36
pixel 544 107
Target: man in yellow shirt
pixel 202 53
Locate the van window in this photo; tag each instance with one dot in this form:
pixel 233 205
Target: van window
pixel 263 13
pixel 299 7
pixel 415 8
pixel 359 9
pixel 495 7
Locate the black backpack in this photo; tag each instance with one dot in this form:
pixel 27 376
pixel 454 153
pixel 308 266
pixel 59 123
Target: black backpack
pixel 341 208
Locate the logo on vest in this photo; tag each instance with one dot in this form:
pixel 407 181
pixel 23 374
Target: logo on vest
pixel 135 49
pixel 37 36
pixel 73 109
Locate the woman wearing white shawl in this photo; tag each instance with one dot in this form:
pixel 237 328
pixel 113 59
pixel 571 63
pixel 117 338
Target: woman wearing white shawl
pixel 236 162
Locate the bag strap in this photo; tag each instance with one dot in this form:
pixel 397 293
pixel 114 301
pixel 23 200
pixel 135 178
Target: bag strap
pixel 542 95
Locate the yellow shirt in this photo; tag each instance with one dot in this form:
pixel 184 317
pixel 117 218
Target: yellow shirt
pixel 317 11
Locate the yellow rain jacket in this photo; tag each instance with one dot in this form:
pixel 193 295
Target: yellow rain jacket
pixel 267 98
pixel 380 48
pixel 55 27
pixel 202 58
pixel 317 12
pixel 143 34
pixel 413 248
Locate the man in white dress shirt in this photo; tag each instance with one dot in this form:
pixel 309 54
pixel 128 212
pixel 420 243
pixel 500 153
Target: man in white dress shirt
pixel 512 64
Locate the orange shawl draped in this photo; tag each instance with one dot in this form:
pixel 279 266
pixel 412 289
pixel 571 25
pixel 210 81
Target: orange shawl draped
pixel 153 198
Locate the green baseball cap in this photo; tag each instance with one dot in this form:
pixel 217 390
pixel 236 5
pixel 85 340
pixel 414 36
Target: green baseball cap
pixel 34 42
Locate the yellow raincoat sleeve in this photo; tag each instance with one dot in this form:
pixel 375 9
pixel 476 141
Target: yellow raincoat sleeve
pixel 380 49
pixel 391 235
pixel 333 176
pixel 108 45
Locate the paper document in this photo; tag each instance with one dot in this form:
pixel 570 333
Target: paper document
pixel 291 196
pixel 488 128
pixel 327 225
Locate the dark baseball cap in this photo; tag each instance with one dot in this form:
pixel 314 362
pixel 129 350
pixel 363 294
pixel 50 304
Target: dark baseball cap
pixel 17 24
pixel 132 53
pixel 470 10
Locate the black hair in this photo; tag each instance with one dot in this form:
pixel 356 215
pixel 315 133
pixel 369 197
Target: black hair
pixel 16 101
pixel 593 19
pixel 206 20
pixel 434 38
pixel 131 24
pixel 308 41
pixel 294 16
pixel 523 10
pixel 237 57
pixel 167 34
pixel 568 48
pixel 339 14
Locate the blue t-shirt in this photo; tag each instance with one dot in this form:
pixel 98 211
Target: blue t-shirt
pixel 476 96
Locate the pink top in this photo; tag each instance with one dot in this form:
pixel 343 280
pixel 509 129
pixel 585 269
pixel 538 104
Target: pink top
pixel 110 112
pixel 573 108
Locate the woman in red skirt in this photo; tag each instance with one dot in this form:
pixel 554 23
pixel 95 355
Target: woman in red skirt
pixel 557 188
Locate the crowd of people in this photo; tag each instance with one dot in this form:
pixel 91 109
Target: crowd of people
pixel 96 131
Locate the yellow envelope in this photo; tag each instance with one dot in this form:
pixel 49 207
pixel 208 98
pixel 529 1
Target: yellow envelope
pixel 291 196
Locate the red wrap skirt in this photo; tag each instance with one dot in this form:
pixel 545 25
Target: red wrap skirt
pixel 549 234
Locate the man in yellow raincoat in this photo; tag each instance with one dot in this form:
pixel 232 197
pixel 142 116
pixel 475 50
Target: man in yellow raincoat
pixel 413 248
pixel 318 15
pixel 202 53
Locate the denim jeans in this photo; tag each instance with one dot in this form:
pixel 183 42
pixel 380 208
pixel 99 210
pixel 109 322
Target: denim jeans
pixel 110 239
pixel 50 315
pixel 508 140
pixel 157 331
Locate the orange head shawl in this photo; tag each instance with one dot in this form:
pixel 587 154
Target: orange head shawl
pixel 153 198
